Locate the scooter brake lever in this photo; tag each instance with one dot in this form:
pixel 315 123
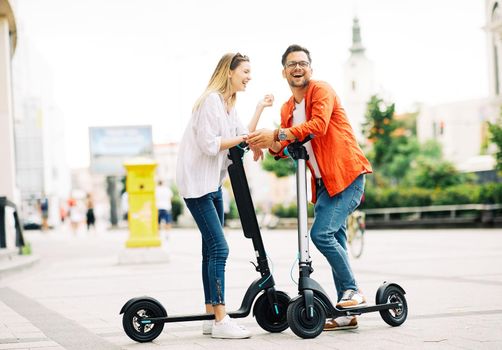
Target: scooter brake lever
pixel 255 266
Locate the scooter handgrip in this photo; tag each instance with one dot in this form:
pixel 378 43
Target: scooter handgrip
pixel 307 139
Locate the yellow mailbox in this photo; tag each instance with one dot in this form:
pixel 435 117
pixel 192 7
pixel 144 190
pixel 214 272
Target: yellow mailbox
pixel 142 218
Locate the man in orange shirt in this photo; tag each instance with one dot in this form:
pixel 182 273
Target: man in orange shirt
pixel 336 162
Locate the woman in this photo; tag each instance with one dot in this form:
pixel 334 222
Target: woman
pixel 202 166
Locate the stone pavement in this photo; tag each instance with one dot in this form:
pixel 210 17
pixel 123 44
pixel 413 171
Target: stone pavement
pixel 72 297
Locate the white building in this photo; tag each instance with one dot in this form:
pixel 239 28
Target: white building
pixel 359 82
pixel 461 127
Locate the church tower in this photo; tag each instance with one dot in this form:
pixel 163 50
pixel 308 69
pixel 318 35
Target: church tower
pixel 358 81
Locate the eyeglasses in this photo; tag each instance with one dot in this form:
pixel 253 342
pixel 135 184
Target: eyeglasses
pixel 293 64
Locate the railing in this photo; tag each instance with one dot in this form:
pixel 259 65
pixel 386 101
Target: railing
pixel 4 203
pixel 472 215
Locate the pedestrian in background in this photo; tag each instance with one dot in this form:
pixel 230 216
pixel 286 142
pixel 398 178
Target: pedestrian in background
pixel 89 215
pixel 163 197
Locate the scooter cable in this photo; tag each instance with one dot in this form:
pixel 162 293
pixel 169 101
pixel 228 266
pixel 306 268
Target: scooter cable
pixel 292 267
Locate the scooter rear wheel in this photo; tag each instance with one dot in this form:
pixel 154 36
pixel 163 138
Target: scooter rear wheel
pixel 393 317
pixel 300 324
pixel 267 317
pixel 131 321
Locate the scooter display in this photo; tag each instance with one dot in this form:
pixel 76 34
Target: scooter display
pixel 307 312
pixel 144 317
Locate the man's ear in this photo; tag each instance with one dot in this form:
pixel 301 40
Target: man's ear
pixel 284 73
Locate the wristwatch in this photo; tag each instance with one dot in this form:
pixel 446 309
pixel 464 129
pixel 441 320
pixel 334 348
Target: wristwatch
pixel 282 135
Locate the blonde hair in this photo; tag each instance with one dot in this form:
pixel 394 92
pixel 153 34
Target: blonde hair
pixel 220 81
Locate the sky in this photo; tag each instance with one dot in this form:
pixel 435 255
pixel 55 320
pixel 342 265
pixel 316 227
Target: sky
pixel 124 62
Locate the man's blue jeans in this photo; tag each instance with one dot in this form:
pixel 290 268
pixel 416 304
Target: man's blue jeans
pixel 208 214
pixel 328 231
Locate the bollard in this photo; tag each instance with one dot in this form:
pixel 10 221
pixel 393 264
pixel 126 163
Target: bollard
pixel 142 218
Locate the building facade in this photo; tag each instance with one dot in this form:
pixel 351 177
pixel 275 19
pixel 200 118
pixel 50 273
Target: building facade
pixel 462 127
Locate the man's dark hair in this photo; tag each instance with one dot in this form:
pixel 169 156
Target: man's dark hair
pixel 294 48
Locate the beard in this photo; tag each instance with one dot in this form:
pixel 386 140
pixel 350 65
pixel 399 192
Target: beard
pixel 300 84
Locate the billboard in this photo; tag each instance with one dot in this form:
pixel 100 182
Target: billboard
pixel 111 146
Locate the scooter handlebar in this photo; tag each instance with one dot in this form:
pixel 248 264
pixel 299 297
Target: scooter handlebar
pixel 294 145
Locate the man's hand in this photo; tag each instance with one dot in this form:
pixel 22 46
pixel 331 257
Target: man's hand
pixel 263 138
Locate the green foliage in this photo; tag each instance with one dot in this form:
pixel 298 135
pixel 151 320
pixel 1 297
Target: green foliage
pixel 282 167
pixel 234 212
pixel 433 173
pixel 460 194
pixel 431 149
pixel 496 138
pixel 391 197
pixel 490 193
pixel 290 211
pixel 176 203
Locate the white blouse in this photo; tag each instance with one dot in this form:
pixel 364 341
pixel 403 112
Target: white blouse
pixel 201 166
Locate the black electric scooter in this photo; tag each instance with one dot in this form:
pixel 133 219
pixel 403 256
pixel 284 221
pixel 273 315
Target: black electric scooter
pixel 144 317
pixel 308 311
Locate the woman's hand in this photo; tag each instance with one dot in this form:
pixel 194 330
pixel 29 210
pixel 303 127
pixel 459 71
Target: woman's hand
pixel 267 101
pixel 257 153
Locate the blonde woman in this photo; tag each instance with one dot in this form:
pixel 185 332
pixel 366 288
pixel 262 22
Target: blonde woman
pixel 202 166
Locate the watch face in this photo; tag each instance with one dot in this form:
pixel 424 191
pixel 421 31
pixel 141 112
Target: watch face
pixel 282 135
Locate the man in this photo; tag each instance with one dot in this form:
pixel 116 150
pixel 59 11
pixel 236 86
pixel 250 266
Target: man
pixel 336 162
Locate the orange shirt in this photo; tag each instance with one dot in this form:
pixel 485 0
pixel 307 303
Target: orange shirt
pixel 338 155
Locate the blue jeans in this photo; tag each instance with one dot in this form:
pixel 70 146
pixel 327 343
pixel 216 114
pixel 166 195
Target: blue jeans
pixel 328 231
pixel 208 214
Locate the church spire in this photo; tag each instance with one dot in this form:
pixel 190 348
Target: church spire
pixel 357 46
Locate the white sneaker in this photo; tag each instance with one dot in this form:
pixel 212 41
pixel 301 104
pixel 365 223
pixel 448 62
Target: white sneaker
pixel 229 329
pixel 207 327
pixel 351 298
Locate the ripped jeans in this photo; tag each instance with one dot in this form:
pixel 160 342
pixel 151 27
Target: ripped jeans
pixel 208 214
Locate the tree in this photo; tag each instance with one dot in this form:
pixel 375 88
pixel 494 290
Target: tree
pixel 393 144
pixel 378 129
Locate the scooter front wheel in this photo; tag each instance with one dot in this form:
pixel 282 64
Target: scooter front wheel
pixel 137 330
pixel 270 319
pixel 300 324
pixel 393 317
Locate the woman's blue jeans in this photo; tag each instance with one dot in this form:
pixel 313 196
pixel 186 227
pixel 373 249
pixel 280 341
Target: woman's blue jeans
pixel 329 229
pixel 208 214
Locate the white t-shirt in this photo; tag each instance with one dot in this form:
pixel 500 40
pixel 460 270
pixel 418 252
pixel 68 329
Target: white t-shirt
pixel 299 117
pixel 163 195
pixel 201 166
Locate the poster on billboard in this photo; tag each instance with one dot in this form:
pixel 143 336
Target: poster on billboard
pixel 111 146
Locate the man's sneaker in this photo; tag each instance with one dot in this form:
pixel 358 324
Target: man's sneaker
pixel 207 327
pixel 340 323
pixel 351 298
pixel 229 329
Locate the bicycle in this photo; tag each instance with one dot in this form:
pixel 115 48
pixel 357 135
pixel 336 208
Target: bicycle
pixel 356 224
